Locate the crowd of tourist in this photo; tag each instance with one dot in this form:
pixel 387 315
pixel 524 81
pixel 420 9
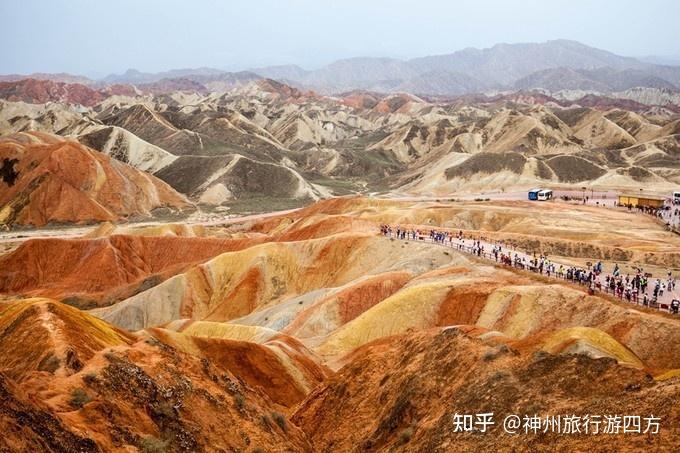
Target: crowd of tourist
pixel 671 216
pixel 668 213
pixel 639 288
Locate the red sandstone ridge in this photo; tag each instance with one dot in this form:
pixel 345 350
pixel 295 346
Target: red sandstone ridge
pixel 41 91
pixel 64 182
pixel 91 272
pixel 283 91
pixel 396 103
pixel 69 382
pixel 401 394
pixel 360 100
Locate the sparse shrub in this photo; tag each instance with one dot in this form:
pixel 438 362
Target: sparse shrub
pixel 400 408
pixel 498 376
pixel 240 401
pixel 79 302
pixel 79 398
pixel 90 378
pixel 540 355
pixel 266 422
pixel 151 444
pixel 489 356
pixel 406 435
pixel 164 409
pixel 280 420
pixel 533 408
pixel 50 364
pixel 496 352
pixel 153 341
pixel 245 437
pixel 72 360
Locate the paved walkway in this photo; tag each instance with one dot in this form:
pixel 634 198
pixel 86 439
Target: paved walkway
pixel 466 246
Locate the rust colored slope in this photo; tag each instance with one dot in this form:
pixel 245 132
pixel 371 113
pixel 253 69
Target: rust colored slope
pixel 67 182
pixel 91 272
pixel 234 284
pixel 28 426
pixel 43 335
pixel 38 91
pixel 156 397
pixel 318 226
pixel 150 396
pixel 517 307
pixel 400 394
pixel 463 304
pixel 329 207
pixel 282 368
pixel 122 394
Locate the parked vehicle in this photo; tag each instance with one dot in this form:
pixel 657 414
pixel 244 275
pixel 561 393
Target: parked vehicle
pixel 545 195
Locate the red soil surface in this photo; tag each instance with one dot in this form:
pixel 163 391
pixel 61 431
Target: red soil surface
pixel 65 181
pixel 121 393
pixel 258 366
pixel 101 271
pixel 42 91
pixel 361 100
pixel 400 394
pixel 471 338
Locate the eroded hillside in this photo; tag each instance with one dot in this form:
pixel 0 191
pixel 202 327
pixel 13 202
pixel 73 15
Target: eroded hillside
pixel 268 144
pixel 46 179
pixel 309 331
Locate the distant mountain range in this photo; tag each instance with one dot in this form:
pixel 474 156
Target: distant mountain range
pixel 503 66
pixel 552 66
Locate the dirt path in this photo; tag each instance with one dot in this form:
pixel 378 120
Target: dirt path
pixel 466 246
pixel 515 195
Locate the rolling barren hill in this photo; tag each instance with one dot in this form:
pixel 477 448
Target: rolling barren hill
pixel 266 144
pixel 46 179
pixel 308 331
pixel 67 271
pixel 107 390
pixel 305 330
pixel 557 114
pixel 41 91
pixel 402 394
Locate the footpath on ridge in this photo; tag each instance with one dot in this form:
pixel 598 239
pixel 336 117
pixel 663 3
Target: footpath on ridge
pixel 484 249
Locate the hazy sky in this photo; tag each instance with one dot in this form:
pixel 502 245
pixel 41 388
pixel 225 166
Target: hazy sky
pixel 100 37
